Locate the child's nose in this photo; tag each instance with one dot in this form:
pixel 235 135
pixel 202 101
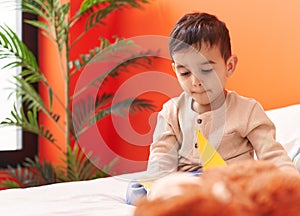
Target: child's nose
pixel 196 81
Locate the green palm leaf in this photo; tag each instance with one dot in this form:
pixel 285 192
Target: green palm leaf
pixel 61 24
pixel 121 54
pixel 13 49
pixel 29 95
pixel 41 8
pixel 96 17
pixel 23 177
pixel 101 53
pixel 54 15
pixel 84 59
pixel 122 108
pixel 29 122
pixel 32 173
pixel 84 109
pixel 8 180
pixel 87 112
pixel 32 98
pixel 43 171
pixel 79 167
pixel 9 184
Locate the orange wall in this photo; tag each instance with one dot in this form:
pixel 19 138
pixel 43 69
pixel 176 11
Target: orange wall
pixel 49 65
pixel 264 34
pixel 265 37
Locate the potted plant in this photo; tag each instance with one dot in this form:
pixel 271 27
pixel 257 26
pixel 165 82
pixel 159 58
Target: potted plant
pixel 55 22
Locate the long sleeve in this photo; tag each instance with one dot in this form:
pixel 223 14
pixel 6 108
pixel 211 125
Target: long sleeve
pixel 163 157
pixel 261 134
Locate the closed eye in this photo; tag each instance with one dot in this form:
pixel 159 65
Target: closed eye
pixel 206 70
pixel 187 73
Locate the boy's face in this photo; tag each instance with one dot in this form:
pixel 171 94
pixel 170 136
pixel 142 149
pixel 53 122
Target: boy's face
pixel 203 74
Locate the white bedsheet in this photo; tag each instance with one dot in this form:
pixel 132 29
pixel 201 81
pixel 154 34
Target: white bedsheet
pixel 287 122
pixel 99 197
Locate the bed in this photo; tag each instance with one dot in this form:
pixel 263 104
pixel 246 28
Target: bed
pixel 106 196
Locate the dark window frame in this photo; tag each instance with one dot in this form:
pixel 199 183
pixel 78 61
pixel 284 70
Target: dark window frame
pixel 29 140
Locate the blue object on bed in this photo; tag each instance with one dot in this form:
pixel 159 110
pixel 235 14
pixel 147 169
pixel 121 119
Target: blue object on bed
pixel 296 160
pixel 135 191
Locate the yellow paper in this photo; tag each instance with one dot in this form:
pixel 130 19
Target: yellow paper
pixel 210 157
pixel 146 185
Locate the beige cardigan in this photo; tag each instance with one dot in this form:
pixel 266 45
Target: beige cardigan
pixel 237 129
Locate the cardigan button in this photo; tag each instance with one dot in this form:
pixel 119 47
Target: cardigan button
pixel 199 121
pixel 196 145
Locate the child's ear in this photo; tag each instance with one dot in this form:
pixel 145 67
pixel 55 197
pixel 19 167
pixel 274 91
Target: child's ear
pixel 173 66
pixel 231 65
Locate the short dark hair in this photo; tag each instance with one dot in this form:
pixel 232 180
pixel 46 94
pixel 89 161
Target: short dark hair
pixel 193 29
